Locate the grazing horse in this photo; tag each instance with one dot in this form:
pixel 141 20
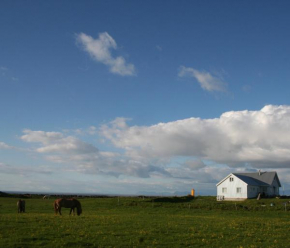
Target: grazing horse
pixel 46 197
pixel 21 206
pixel 67 203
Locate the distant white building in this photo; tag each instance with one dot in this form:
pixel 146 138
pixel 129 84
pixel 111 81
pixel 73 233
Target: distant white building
pixel 241 186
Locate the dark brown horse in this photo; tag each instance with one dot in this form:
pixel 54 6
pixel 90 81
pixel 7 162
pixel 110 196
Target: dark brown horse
pixel 21 206
pixel 67 203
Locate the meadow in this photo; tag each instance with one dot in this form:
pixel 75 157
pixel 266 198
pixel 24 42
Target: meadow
pixel 146 222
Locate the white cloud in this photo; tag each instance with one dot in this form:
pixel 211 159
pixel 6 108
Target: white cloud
pixel 7 74
pixel 24 170
pixel 100 50
pixel 207 81
pixel 191 151
pixel 5 146
pixel 41 136
pixel 194 164
pixel 159 48
pixel 260 139
pixel 246 88
pixel 55 142
pixel 92 130
pixel 85 157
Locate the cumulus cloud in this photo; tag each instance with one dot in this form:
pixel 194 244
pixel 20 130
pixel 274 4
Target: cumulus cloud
pixel 260 139
pixel 100 50
pixel 206 80
pixel 55 142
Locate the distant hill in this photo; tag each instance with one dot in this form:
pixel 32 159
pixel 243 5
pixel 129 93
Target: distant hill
pixel 176 193
pixel 3 194
pixel 181 193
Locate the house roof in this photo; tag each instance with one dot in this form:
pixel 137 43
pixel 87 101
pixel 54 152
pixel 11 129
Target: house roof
pixel 256 179
pixel 250 180
pixel 259 178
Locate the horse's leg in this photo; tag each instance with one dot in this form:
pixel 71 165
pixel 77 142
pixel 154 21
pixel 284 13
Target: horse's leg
pixel 19 207
pixel 59 210
pixel 72 210
pixel 55 206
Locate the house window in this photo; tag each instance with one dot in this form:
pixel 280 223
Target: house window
pixel 224 190
pixel 231 179
pixel 239 190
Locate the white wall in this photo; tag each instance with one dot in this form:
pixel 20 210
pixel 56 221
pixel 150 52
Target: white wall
pixel 231 187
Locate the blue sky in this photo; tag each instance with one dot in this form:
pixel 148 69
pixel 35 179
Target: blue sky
pixel 129 97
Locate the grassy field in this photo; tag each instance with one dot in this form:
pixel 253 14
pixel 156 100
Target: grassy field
pixel 149 222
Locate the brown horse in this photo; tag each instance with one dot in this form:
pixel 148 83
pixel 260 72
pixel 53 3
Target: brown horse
pixel 67 203
pixel 21 206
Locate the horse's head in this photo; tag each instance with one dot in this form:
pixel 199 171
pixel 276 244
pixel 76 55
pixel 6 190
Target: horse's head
pixel 79 207
pixel 79 210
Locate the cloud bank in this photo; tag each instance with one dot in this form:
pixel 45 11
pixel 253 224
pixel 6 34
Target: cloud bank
pixel 207 81
pixel 86 158
pixel 194 149
pixel 100 50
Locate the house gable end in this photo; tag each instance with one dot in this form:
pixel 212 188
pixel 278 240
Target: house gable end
pixel 235 178
pixel 220 182
pixel 276 178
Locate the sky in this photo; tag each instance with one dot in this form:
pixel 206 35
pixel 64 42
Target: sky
pixel 142 97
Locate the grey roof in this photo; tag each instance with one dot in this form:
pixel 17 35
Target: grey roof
pixel 258 179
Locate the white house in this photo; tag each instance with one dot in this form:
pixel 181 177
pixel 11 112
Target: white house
pixel 241 186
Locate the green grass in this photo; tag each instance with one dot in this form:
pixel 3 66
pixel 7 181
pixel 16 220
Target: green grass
pixel 134 222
